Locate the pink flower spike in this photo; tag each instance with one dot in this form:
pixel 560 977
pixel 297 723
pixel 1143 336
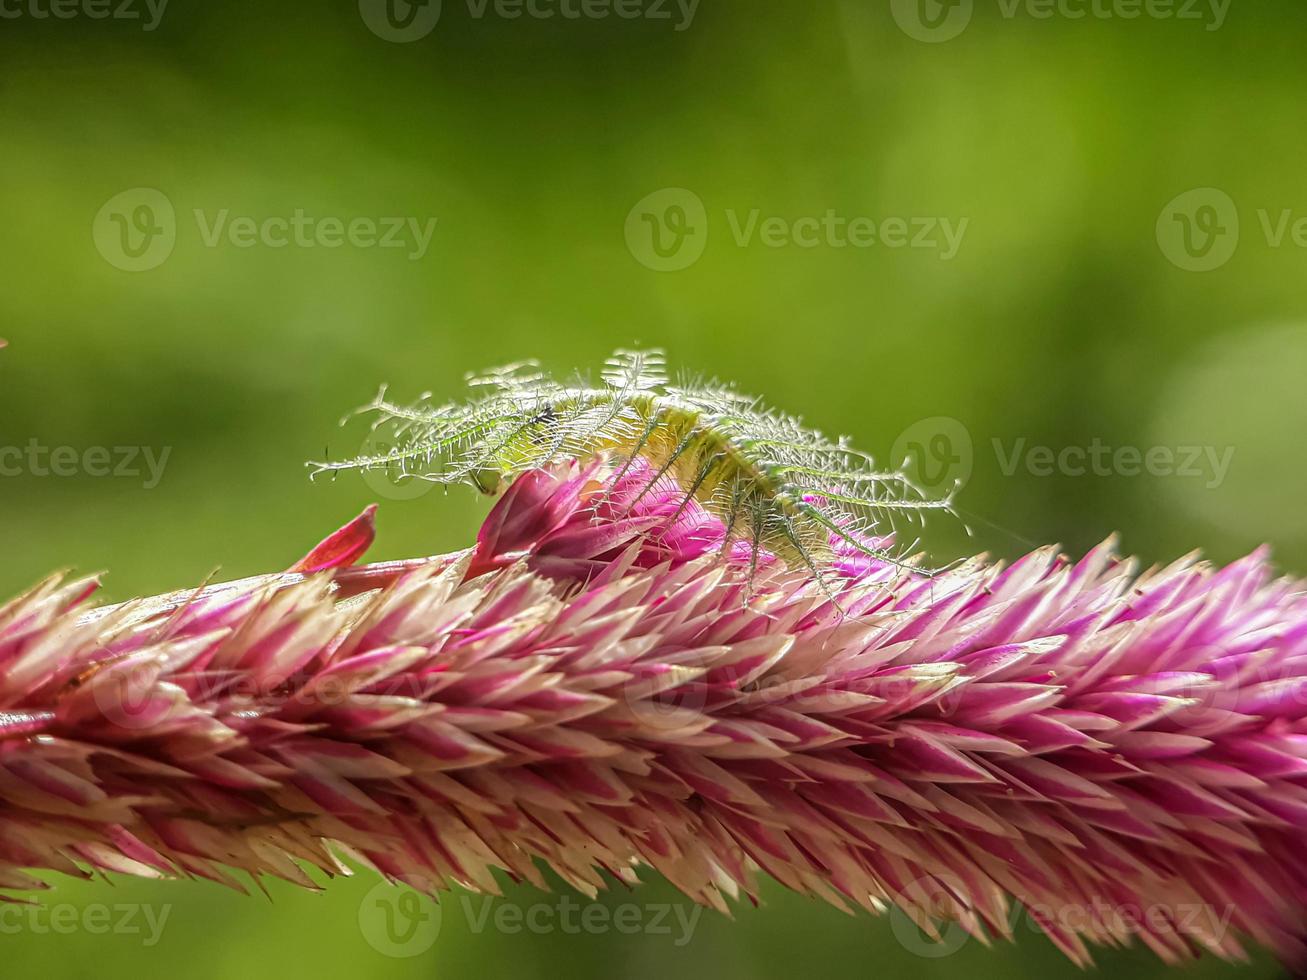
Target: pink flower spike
pixel 608 681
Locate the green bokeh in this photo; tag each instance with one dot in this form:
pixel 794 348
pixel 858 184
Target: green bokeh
pixel 1061 320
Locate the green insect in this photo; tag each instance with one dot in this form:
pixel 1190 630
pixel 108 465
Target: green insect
pixel 782 487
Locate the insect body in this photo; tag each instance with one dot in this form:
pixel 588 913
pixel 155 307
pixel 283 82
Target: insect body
pixel 784 488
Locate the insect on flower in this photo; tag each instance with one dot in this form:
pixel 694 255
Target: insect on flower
pixel 1123 754
pixel 779 487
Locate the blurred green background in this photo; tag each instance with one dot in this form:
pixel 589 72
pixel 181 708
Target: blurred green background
pixel 609 181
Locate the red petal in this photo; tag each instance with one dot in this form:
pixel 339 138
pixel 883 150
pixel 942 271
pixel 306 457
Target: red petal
pixel 341 548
